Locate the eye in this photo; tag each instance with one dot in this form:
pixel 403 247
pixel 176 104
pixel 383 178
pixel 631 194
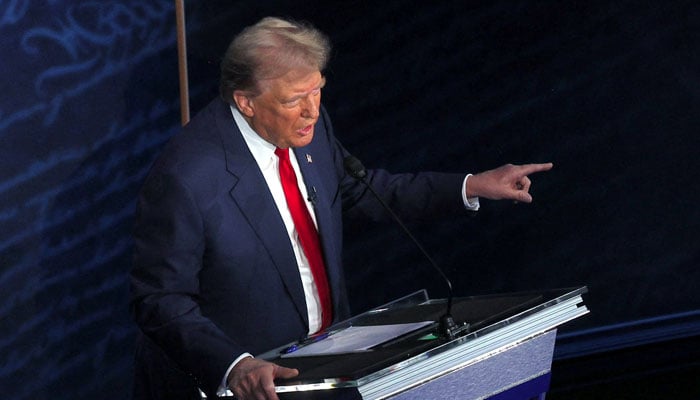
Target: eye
pixel 291 103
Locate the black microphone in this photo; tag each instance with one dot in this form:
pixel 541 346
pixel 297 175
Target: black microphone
pixel 312 195
pixel 448 327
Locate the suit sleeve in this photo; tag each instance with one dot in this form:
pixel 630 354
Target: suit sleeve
pixel 413 196
pixel 169 245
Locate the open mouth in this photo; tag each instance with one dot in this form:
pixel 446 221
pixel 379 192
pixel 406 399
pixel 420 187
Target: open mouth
pixel 306 130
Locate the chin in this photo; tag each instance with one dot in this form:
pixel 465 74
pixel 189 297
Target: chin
pixel 306 140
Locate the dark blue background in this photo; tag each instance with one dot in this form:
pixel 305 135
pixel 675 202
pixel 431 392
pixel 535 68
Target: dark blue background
pixel 608 91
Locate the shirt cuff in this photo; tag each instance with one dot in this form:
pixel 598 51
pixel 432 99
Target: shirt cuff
pixel 223 389
pixel 470 203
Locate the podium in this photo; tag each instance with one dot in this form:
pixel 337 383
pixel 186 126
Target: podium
pixel 506 353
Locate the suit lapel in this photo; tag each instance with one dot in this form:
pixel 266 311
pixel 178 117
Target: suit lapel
pixel 253 198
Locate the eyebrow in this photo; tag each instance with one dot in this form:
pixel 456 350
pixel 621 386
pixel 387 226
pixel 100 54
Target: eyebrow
pixel 304 94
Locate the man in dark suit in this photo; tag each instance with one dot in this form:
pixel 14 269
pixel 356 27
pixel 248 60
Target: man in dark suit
pixel 222 269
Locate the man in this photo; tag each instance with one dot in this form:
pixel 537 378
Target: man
pixel 227 263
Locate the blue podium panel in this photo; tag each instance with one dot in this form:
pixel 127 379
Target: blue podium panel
pixel 535 389
pixel 519 371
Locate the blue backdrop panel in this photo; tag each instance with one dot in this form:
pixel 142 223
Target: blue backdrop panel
pixel 89 95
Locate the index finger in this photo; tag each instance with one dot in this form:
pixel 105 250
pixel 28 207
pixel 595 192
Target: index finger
pixel 284 372
pixel 528 169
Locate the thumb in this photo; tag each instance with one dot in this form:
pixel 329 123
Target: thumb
pixel 523 197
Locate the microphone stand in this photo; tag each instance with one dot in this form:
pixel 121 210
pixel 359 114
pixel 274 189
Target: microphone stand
pixel 447 327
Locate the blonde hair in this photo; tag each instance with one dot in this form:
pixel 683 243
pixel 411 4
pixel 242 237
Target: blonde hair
pixel 269 49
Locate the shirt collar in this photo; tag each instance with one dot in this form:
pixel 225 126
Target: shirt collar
pixel 262 150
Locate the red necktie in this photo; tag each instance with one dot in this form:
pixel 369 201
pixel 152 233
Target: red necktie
pixel 308 236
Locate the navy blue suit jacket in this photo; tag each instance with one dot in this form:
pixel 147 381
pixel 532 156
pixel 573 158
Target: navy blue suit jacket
pixel 214 273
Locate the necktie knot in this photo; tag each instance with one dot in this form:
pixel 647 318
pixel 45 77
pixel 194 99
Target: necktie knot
pixel 283 154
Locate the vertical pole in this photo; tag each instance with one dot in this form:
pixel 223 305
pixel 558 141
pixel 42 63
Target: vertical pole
pixel 182 61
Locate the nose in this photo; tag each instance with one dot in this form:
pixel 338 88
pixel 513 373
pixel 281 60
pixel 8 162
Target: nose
pixel 310 106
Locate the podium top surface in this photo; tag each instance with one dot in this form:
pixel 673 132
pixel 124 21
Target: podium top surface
pixel 505 317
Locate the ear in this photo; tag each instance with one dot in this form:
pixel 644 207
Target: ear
pixel 244 103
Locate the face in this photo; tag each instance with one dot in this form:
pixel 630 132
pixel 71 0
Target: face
pixel 285 111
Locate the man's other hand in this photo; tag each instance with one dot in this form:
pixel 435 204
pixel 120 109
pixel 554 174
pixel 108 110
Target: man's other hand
pixel 252 378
